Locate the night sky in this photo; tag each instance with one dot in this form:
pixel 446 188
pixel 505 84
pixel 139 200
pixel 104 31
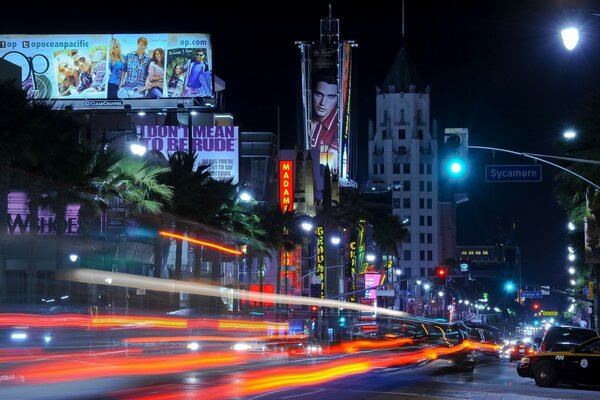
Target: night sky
pixel 495 67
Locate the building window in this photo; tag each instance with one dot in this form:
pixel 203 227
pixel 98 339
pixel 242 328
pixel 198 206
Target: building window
pixel 375 169
pixel 421 203
pixel 396 203
pixel 406 168
pixel 421 168
pixel 406 255
pixel 401 134
pixel 429 204
pixel 429 255
pixel 422 255
pixel 421 186
pixel 397 186
pixel 406 186
pixel 429 220
pixel 406 203
pixel 381 168
pixel 396 168
pixel 429 238
pixel 429 169
pixel 421 220
pixel 429 186
pixel 421 238
pixel 422 272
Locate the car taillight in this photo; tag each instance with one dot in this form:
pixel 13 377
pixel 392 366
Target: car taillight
pixel 513 349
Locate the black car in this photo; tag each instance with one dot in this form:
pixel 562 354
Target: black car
pixel 520 350
pixel 578 366
pixel 565 334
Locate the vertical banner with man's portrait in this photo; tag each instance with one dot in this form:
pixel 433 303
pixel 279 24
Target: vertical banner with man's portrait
pixel 345 81
pixel 322 110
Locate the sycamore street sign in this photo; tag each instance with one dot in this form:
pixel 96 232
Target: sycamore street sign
pixel 513 173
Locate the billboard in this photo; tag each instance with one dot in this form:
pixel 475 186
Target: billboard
pixel 326 69
pixel 214 145
pixel 19 222
pixel 112 70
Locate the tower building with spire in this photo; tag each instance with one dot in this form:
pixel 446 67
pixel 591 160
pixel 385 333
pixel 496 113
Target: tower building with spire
pixel 402 159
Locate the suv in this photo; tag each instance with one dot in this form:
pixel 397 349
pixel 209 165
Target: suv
pixel 560 338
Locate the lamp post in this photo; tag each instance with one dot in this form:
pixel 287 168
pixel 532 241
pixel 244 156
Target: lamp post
pixel 136 148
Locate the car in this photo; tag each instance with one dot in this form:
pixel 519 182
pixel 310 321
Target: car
pixel 579 366
pixel 450 335
pixel 310 347
pixel 519 350
pixel 565 334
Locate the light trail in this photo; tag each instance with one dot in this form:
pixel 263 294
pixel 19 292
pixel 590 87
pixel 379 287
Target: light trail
pixel 92 276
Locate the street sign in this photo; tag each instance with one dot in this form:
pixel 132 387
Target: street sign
pixel 549 313
pixel 513 173
pixel 535 294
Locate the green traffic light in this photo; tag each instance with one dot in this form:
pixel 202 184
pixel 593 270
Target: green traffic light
pixel 456 167
pixel 509 286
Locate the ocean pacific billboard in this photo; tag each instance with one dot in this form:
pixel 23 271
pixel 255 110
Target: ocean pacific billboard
pixel 217 146
pixel 113 70
pixel 326 69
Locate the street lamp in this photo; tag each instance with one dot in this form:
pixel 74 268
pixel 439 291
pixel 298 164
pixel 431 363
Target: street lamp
pixel 570 37
pixel 570 134
pixel 136 148
pixel 570 34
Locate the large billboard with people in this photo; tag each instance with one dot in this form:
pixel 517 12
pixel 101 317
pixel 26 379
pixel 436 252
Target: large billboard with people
pixel 111 70
pixel 326 69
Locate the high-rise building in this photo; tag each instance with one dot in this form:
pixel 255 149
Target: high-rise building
pixel 403 161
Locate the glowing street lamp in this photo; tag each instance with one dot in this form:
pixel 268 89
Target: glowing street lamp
pixel 570 37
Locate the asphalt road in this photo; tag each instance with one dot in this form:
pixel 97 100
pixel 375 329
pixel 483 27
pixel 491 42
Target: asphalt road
pixel 493 379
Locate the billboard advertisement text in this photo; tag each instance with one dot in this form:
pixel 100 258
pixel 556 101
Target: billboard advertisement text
pixel 216 146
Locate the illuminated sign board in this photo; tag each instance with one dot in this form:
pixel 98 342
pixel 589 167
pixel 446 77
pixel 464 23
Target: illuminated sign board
pixel 19 222
pixel 371 280
pixel 286 185
pixel 113 70
pixel 217 146
pixel 352 272
pixel 320 258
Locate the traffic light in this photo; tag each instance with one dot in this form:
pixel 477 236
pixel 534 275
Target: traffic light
pixel 342 321
pixel 441 272
pixel 509 286
pixel 535 306
pixel 456 145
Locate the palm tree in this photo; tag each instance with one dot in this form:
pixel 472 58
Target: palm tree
pixel 388 233
pixel 578 198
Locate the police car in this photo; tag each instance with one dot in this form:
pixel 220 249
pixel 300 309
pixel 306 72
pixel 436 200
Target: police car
pixel 578 366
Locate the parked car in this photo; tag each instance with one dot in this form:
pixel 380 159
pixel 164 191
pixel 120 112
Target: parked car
pixel 565 337
pixel 578 366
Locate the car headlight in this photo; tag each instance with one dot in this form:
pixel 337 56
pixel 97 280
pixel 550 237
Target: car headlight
pixel 241 347
pixel 18 336
pixel 193 346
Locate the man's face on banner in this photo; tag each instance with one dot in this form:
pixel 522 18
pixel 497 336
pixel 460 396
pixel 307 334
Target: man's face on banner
pixel 325 99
